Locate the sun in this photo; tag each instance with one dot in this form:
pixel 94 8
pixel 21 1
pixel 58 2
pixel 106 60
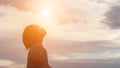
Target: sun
pixel 46 12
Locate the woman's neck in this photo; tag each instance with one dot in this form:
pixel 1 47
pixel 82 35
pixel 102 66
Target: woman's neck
pixel 36 44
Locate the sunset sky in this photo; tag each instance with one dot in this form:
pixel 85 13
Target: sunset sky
pixel 80 33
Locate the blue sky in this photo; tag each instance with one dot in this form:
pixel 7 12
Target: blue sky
pixel 80 34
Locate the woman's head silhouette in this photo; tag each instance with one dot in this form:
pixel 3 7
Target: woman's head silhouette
pixel 33 34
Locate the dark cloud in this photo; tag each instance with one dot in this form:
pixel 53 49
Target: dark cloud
pixel 113 17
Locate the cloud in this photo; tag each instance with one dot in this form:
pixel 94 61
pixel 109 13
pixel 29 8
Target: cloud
pixel 81 22
pixel 5 2
pixel 61 50
pixel 112 17
pixel 86 64
pixel 10 64
pixel 18 19
pixel 92 32
pixel 83 46
pixel 114 55
pixel 108 1
pixel 5 63
pixel 13 3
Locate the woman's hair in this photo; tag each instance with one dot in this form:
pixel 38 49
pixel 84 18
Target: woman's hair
pixel 33 34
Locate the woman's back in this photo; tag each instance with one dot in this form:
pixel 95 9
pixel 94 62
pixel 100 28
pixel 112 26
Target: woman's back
pixel 37 57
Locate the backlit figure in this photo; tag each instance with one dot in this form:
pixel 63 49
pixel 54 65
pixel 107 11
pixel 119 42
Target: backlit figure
pixel 32 38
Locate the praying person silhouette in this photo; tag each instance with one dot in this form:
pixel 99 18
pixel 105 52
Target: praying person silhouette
pixel 32 38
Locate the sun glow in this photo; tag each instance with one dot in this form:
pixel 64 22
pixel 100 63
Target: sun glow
pixel 46 12
pixel 46 16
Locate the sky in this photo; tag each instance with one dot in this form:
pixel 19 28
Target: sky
pixel 80 33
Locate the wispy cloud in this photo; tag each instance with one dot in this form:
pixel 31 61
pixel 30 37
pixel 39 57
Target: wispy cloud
pixel 5 63
pixel 10 64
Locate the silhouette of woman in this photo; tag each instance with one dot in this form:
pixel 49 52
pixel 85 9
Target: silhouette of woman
pixel 32 38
